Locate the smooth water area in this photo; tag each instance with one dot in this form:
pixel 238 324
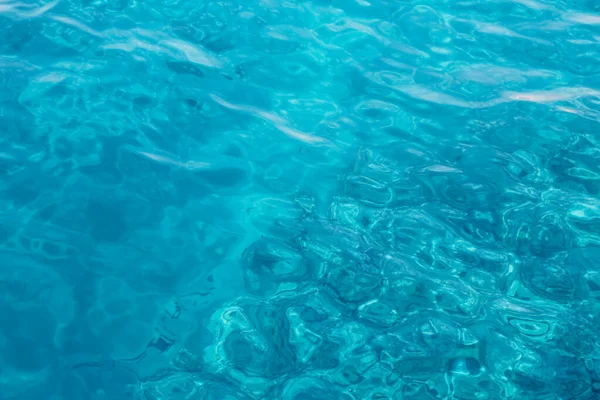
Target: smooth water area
pixel 279 199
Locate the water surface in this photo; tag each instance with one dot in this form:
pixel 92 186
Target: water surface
pixel 299 199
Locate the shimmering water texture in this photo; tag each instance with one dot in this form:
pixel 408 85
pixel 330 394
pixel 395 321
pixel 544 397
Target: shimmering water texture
pixel 278 199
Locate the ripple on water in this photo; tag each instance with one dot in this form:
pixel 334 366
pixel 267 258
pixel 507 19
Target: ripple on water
pixel 299 200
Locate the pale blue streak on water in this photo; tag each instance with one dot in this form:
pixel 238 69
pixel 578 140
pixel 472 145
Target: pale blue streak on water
pixel 328 199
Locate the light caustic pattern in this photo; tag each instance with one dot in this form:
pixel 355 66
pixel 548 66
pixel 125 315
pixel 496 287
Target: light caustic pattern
pixel 328 199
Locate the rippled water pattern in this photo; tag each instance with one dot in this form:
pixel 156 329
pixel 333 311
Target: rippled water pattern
pixel 271 199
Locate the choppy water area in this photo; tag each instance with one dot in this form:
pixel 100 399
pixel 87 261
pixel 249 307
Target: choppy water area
pixel 299 199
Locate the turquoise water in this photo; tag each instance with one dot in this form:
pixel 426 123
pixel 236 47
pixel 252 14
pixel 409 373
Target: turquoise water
pixel 269 199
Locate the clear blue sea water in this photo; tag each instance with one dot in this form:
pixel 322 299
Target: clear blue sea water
pixel 279 199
